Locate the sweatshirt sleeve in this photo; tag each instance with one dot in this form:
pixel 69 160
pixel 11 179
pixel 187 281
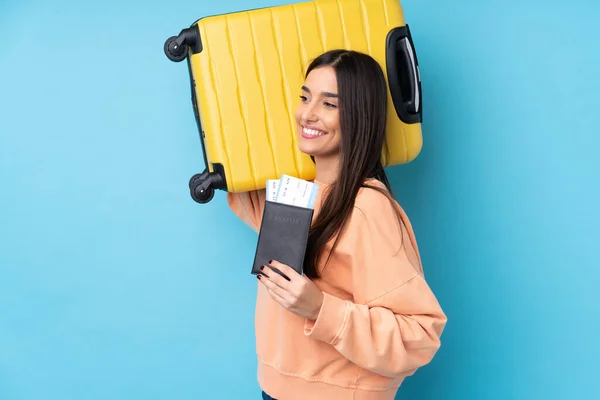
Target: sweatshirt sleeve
pixel 248 206
pixel 394 324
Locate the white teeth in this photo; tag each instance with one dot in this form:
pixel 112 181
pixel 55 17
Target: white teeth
pixel 312 132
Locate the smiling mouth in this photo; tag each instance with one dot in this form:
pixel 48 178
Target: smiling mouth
pixel 312 133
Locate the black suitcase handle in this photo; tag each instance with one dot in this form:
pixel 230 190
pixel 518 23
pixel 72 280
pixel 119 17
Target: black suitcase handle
pixel 403 75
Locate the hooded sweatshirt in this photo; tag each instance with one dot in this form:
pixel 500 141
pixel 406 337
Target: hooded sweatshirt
pixel 379 321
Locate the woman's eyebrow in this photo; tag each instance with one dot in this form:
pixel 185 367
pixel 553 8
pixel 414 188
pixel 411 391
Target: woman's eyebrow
pixel 326 94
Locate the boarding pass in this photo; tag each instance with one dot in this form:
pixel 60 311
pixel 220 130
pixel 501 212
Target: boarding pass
pixel 292 191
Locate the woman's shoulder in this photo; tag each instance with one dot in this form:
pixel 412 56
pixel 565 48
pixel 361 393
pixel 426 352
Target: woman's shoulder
pixel 376 221
pixel 376 209
pixel 375 198
pixel 382 220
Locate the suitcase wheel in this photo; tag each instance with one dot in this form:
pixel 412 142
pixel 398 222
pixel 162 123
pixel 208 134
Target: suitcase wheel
pixel 202 186
pixel 177 47
pixel 203 195
pixel 175 52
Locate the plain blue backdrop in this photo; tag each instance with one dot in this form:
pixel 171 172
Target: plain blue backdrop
pixel 114 284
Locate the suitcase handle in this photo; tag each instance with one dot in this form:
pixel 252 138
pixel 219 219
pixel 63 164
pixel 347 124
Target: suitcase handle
pixel 403 75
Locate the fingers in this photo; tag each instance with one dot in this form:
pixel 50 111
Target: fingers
pixel 282 302
pixel 273 287
pixel 285 269
pixel 276 275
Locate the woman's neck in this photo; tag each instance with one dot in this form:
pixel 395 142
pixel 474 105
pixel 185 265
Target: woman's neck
pixel 327 169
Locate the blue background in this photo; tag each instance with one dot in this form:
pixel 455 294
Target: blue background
pixel 115 284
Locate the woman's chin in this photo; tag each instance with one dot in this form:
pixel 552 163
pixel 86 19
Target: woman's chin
pixel 307 148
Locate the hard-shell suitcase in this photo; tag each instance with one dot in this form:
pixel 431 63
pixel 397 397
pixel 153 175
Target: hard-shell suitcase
pixel 246 69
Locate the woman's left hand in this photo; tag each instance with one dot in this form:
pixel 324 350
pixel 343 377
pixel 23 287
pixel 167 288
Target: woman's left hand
pixel 299 295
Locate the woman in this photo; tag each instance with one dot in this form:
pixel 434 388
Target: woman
pixel 362 317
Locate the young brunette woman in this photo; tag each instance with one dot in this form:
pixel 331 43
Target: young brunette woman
pixel 362 317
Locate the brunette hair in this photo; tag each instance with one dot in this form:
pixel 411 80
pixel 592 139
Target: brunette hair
pixel 362 94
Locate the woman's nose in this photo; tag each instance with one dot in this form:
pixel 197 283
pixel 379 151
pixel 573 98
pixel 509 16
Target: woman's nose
pixel 309 114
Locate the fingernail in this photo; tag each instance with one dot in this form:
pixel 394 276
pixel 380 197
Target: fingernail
pixel 270 261
pixel 262 267
pixel 258 276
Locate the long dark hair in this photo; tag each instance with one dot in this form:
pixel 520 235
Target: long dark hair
pixel 362 91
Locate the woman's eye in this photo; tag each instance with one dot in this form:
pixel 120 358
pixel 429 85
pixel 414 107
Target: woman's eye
pixel 330 105
pixel 303 98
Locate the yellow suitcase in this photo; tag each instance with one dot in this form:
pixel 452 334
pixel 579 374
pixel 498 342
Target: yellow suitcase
pixel 246 68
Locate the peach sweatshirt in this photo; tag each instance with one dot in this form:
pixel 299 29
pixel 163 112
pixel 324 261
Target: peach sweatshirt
pixel 379 321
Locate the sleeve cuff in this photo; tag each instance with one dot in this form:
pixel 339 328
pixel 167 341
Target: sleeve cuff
pixel 330 321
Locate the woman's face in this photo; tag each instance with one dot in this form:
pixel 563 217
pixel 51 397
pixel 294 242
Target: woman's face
pixel 317 115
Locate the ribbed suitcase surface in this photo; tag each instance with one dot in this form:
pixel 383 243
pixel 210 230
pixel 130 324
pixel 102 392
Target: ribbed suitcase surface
pixel 248 78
